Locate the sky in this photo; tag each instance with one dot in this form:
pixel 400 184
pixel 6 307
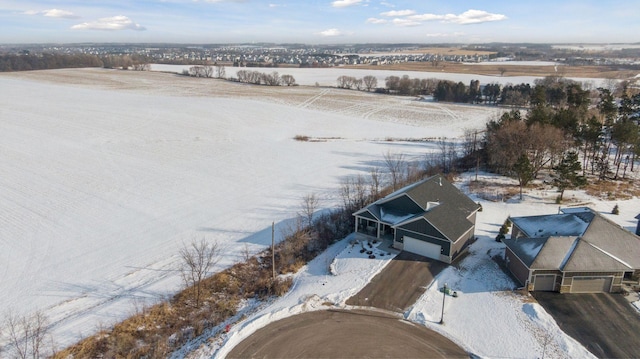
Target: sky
pixel 319 21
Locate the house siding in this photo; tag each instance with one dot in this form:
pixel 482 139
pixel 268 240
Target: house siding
pixel 446 245
pixel 458 246
pixel 422 226
pixel 516 267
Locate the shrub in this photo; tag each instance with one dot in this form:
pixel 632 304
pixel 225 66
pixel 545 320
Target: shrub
pixel 615 210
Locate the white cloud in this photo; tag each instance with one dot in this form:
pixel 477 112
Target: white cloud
pixel 57 13
pixel 467 17
pixel 110 23
pixel 477 16
pixel 345 3
pixel 405 22
pixel 330 33
pixel 373 20
pixel 397 13
pixel 441 34
pixel 384 3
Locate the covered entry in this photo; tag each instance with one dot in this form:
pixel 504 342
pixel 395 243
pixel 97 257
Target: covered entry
pixel 544 282
pixel 591 284
pixel 422 248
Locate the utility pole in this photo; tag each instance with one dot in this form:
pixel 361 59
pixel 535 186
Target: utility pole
pixel 273 250
pixel 444 295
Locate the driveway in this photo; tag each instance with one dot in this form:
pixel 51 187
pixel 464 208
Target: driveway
pixel 399 284
pixel 346 334
pixel 606 324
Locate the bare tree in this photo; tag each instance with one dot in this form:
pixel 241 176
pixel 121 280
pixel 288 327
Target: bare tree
pixel 141 67
pixel 502 70
pixel 207 71
pixel 308 207
pixel 220 72
pixel 288 80
pixel 25 335
pixel 370 82
pixel 395 165
pixel 198 258
pixel 375 182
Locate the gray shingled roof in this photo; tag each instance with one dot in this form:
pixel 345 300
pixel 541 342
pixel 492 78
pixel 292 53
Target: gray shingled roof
pixel 601 246
pixel 444 205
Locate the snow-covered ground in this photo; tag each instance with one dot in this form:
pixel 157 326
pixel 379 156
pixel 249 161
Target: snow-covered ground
pixel 102 181
pixel 328 76
pixel 488 317
pixel 105 174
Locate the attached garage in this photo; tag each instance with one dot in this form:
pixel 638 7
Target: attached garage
pixel 544 282
pixel 591 284
pixel 422 248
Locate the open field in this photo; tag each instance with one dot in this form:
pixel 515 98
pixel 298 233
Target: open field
pixel 105 174
pixel 512 70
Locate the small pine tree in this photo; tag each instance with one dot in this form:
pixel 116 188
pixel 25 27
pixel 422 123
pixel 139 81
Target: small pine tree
pixel 615 210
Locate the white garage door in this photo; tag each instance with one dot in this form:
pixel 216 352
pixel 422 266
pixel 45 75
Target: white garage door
pixel 422 248
pixel 544 282
pixel 591 284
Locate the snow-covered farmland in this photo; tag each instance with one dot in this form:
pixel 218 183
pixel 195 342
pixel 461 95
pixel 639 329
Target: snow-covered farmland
pixel 105 174
pixel 328 76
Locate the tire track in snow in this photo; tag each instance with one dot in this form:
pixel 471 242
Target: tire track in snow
pixel 313 99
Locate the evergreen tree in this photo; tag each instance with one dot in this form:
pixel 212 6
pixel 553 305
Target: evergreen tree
pixel 524 171
pixel 566 173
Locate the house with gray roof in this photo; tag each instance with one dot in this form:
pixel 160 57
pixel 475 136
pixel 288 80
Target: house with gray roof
pixel 575 251
pixel 431 218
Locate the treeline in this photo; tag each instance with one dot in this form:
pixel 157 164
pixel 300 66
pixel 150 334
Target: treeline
pixel 564 130
pixel 45 61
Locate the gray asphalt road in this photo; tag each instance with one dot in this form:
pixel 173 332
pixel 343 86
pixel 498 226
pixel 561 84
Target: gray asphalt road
pixel 346 334
pixel 605 324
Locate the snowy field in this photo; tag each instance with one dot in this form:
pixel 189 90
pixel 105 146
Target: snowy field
pixel 105 174
pixel 328 76
pixel 488 318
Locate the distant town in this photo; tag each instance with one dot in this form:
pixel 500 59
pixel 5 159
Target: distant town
pixel 300 55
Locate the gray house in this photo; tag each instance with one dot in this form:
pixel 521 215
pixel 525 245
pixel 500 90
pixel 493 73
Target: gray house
pixel 575 251
pixel 431 218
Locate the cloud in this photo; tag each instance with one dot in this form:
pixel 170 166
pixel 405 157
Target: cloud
pixel 330 33
pixel 405 22
pixel 397 13
pixel 441 34
pixel 373 20
pixel 345 3
pixel 466 18
pixel 384 3
pixel 110 23
pixel 477 16
pixel 57 13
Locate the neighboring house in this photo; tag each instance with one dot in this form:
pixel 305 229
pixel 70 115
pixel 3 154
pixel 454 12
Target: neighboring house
pixel 431 218
pixel 575 251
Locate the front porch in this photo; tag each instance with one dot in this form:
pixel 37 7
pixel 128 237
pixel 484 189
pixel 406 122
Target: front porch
pixel 374 228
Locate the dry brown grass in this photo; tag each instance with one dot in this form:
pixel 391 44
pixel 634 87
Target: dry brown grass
pixel 613 190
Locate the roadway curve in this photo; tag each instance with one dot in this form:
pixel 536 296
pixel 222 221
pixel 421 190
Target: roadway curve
pixel 346 334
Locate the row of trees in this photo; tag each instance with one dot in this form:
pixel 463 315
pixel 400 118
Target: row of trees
pixel 260 78
pixel 45 61
pixel 564 131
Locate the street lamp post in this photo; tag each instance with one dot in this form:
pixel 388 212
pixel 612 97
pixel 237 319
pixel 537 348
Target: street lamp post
pixel 444 295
